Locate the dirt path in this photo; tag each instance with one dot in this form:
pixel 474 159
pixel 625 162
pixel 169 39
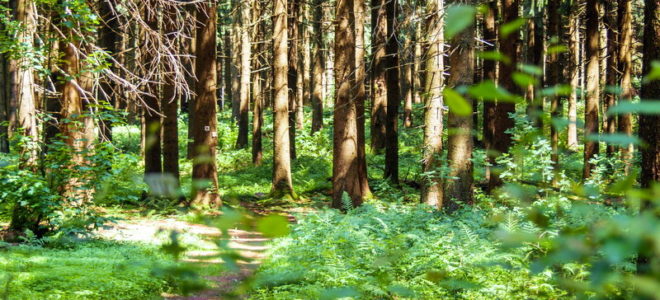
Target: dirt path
pixel 248 244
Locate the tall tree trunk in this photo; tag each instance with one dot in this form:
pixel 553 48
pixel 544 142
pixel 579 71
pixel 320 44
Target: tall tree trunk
pixel 189 48
pixel 534 53
pixel 406 72
pixel 378 74
pixel 4 103
pixel 490 73
pixel 108 39
pixel 170 104
pixel 300 76
pixel 432 188
pixel 612 33
pixel 228 68
pixel 151 113
pixel 244 89
pixel 625 67
pixel 554 72
pixel 205 135
pixel 593 89
pixel 508 46
pixel 346 159
pixel 574 71
pixel 360 94
pixel 318 67
pixel 393 94
pixel 282 184
pixel 23 80
pixel 257 90
pixel 458 187
pixel 292 73
pixel 649 125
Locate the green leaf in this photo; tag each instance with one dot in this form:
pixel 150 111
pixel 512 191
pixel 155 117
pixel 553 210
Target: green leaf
pixel 487 90
pixel 511 27
pixel 556 49
pixel 524 80
pixel 531 69
pixel 557 90
pixel 457 104
pixel 620 139
pixel 494 55
pixel 644 107
pixel 458 18
pixel 273 226
pixel 655 72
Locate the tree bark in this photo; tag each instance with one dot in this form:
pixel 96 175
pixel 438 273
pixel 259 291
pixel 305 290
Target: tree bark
pixel 170 106
pixel 459 185
pixel 205 136
pixel 554 67
pixel 300 76
pixel 574 71
pixel 318 67
pixel 244 88
pixel 625 67
pixel 490 73
pixel 378 74
pixel 393 94
pixel 108 39
pixel 282 184
pixel 235 57
pixel 593 89
pixel 508 46
pixel 4 103
pixel 292 73
pixel 360 94
pixel 23 81
pixel 649 125
pixel 257 82
pixel 346 160
pixel 432 187
pixel 612 69
pixel 151 113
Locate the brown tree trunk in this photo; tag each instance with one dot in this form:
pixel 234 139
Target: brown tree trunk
pixel 282 184
pixel 490 73
pixel 189 48
pixel 257 95
pixel 393 94
pixel 574 71
pixel 612 33
pixel 170 106
pixel 360 95
pixel 4 103
pixel 300 76
pixel 229 89
pixel 292 73
pixel 151 113
pixel 205 135
pixel 432 188
pixel 534 53
pixel 508 46
pixel 378 75
pixel 406 72
pixel 625 67
pixel 553 66
pixel 593 89
pixel 235 57
pixel 23 85
pixel 458 187
pixel 346 159
pixel 318 67
pixel 108 39
pixel 649 125
pixel 244 88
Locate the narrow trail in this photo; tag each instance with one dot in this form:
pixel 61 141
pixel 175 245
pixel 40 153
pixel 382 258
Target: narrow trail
pixel 249 244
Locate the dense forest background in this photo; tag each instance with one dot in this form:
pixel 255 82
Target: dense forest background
pixel 467 149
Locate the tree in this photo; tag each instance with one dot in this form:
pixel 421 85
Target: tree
pixel 509 48
pixel 612 69
pixel 4 103
pixel 244 88
pixel 459 187
pixel 282 183
pixel 378 74
pixel 554 67
pixel 490 73
pixel 649 125
pixel 346 171
pixel 393 94
pixel 625 68
pixel 170 103
pixel 360 94
pixel 593 90
pixel 292 72
pixel 23 84
pixel 432 188
pixel 205 136
pixel 318 67
pixel 108 39
pixel 257 93
pixel 151 113
pixel 574 74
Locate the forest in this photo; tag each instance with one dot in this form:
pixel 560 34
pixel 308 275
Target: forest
pixel 329 149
